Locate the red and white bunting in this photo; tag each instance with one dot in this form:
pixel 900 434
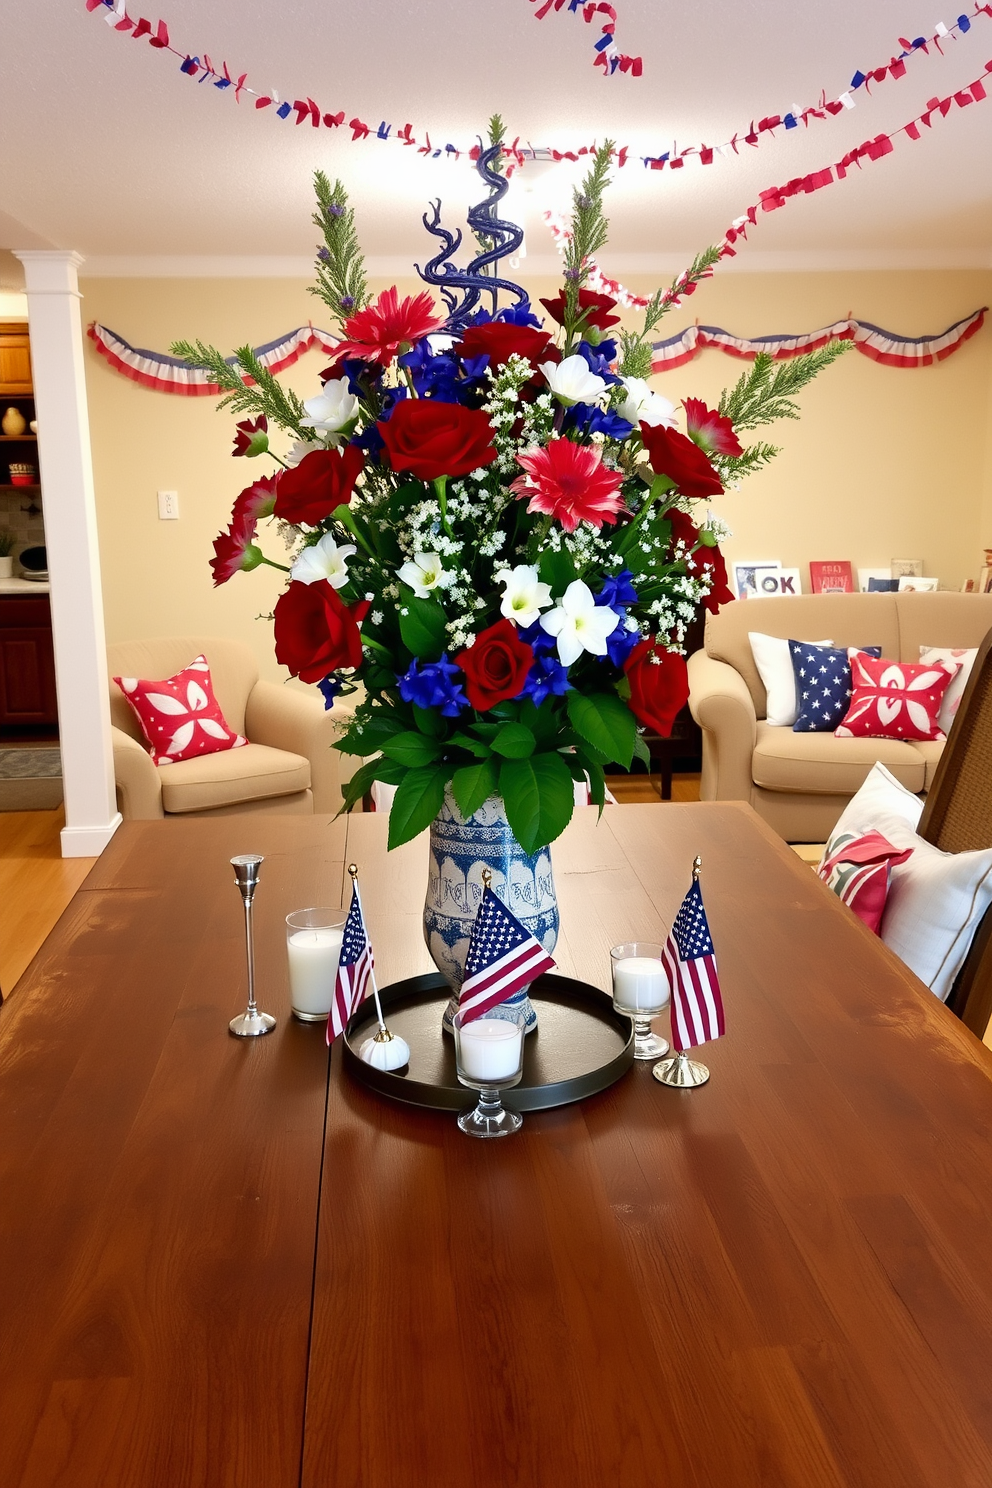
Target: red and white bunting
pixel 166 374
pixel 881 346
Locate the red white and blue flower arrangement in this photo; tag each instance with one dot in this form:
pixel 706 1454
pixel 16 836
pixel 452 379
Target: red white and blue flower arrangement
pixel 495 519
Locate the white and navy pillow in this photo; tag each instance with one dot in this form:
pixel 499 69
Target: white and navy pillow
pixel 823 685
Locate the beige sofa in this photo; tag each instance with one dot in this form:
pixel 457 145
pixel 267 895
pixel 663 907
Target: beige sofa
pixel 800 783
pixel 288 765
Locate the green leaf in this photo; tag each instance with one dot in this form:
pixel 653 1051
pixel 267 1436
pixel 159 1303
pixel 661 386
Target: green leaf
pixel 423 628
pixel 604 722
pixel 406 496
pixel 374 733
pixel 556 569
pixel 412 749
pixel 514 741
pixel 474 746
pixel 543 722
pixel 365 777
pixel 419 798
pixel 429 722
pixel 474 784
pixel 641 750
pixel 538 797
pixel 597 785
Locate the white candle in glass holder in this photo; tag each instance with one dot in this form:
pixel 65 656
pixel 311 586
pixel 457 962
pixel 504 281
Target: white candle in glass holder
pixel 640 984
pixel 313 965
pixel 489 1049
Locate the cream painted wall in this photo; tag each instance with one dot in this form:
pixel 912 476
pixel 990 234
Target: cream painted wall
pixel 883 463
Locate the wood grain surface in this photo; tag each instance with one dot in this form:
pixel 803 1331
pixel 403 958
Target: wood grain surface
pixel 780 1279
pixel 159 1178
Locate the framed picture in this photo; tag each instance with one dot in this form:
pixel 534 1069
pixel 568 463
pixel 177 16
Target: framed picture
pixel 746 577
pixel 880 576
pixel 970 586
pixel 776 582
pixel 831 578
pixel 907 568
pixel 910 584
pixel 985 581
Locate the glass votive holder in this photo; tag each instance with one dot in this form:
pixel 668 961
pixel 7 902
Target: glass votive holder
pixel 489 1058
pixel 313 945
pixel 641 991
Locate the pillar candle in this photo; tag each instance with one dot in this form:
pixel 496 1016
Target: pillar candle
pixel 313 964
pixel 640 984
pixel 489 1049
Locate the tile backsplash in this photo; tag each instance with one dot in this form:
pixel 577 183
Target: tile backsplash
pixel 28 530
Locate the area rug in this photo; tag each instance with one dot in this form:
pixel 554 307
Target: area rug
pixel 30 779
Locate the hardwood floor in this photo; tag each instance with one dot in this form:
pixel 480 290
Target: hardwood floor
pixel 36 884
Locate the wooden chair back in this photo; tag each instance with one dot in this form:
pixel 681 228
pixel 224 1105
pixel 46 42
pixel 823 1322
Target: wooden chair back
pixel 957 817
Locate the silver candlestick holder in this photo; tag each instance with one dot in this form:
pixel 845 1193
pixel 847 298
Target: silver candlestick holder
pixel 251 1023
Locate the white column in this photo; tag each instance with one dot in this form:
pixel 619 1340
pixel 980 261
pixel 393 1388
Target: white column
pixel 91 814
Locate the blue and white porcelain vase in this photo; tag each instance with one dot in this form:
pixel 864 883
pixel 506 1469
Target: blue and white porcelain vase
pixel 460 849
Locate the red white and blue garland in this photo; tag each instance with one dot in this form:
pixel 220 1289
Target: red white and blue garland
pixel 307 110
pixel 608 55
pixel 166 374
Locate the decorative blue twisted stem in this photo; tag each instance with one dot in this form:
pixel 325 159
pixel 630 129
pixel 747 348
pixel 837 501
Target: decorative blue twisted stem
pixel 473 281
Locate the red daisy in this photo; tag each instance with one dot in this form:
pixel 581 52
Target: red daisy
pixel 569 482
pixel 257 500
pixel 379 332
pixel 712 431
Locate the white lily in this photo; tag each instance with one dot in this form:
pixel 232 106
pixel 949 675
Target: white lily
pixel 525 596
pixel 579 623
pixel 643 405
pixel 424 572
pixel 301 448
pixel 572 382
pixel 333 410
pixel 323 560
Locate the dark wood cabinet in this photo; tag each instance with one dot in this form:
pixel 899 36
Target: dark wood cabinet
pixel 27 661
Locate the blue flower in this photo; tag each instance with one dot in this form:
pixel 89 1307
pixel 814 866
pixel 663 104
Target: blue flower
pixel 620 644
pixel 521 315
pixel 538 639
pixel 546 676
pixel 587 419
pixel 617 590
pixel 433 685
pixel 598 359
pixel 330 687
pixel 360 375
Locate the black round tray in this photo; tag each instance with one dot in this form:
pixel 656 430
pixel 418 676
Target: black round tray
pixel 581 1046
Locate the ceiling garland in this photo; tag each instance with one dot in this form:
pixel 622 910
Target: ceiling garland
pixel 307 110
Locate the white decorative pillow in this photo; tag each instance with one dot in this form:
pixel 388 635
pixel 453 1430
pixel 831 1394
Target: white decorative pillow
pixel 774 663
pixel 936 900
pixel 952 697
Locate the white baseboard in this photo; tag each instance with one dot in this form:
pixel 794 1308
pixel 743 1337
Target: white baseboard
pixel 88 842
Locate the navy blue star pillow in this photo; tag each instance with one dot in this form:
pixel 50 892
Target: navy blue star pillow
pixel 823 685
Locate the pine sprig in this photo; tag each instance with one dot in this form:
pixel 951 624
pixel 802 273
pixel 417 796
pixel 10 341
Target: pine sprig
pixel 766 391
pixel 340 269
pixel 733 468
pixel 279 404
pixel 635 349
pixel 588 232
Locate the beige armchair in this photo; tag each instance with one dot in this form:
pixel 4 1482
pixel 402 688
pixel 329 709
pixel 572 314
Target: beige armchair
pixel 800 783
pixel 288 765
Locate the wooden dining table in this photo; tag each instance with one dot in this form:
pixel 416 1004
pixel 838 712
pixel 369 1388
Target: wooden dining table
pixel 227 1264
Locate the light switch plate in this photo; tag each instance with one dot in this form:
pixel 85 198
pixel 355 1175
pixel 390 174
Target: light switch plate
pixel 168 506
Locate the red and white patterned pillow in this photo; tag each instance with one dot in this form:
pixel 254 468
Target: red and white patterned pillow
pixel 894 699
pixel 857 869
pixel 180 717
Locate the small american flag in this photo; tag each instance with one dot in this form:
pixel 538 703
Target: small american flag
pixel 502 958
pixel 697 1007
pixel 354 969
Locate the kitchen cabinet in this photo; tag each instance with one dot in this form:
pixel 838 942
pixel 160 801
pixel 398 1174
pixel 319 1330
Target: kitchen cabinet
pixel 27 661
pixel 15 362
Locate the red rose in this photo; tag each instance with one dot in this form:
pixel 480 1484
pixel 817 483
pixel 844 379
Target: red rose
pixel 499 341
pixel 323 480
pixel 682 461
pixel 597 306
pixel 316 632
pixel 496 666
pixel 433 439
pixel 659 685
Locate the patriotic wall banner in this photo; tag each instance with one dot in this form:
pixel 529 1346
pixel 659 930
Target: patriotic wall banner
pixel 167 374
pixel 307 111
pixel 880 346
